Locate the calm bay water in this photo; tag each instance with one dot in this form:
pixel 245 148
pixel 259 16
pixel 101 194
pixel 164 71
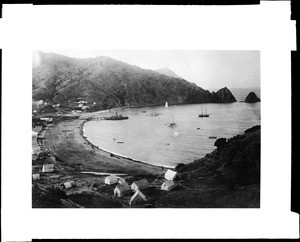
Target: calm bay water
pixel 146 138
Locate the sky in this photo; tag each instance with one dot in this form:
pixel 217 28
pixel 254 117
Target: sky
pixel 209 69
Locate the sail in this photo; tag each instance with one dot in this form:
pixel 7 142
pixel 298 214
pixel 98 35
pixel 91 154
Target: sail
pixel 166 105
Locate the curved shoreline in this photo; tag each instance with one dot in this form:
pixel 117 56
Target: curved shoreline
pixel 67 142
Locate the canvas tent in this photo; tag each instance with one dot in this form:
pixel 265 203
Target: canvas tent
pixel 137 197
pixel 36 176
pixel 122 181
pixel 139 185
pixel 48 168
pixel 171 175
pixel 122 189
pixel 168 185
pixel 112 179
pixel 68 184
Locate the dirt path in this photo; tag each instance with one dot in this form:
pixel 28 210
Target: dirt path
pixel 65 141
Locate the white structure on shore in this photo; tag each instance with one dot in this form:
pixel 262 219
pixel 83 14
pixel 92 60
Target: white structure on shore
pixel 171 175
pixel 168 185
pixel 122 181
pixel 36 176
pixel 122 189
pixel 112 179
pixel 48 168
pixel 139 185
pixel 68 184
pixel 137 197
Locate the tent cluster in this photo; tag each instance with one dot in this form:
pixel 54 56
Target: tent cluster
pixel 169 183
pixel 124 189
pixel 137 187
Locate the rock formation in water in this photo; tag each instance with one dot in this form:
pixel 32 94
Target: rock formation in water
pixel 222 96
pixel 252 98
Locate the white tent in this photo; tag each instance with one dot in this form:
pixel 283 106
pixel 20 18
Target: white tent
pixel 112 179
pixel 122 181
pixel 35 150
pixel 137 197
pixel 139 185
pixel 36 176
pixel 48 168
pixel 171 175
pixel 122 189
pixel 168 185
pixel 68 184
pixel 34 134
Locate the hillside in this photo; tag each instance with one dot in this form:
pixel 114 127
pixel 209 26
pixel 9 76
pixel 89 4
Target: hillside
pixel 111 83
pixel 167 72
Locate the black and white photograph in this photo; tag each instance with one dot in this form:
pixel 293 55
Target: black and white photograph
pixel 146 129
pixel 147 121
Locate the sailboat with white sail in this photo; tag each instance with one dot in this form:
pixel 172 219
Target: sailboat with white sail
pixel 166 105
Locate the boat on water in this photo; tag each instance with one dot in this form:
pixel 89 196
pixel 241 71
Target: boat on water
pixel 116 117
pixel 204 115
pixel 172 124
pixel 166 105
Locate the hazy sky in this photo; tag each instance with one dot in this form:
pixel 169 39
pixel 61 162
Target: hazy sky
pixel 208 69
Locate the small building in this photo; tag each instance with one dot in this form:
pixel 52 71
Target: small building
pixel 122 181
pixel 35 150
pixel 171 175
pixel 68 184
pixel 36 176
pixel 139 185
pixel 122 189
pixel 138 197
pixel 48 168
pixel 112 179
pixel 168 185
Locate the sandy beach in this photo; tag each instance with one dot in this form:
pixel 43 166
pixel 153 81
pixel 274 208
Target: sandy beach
pixel 66 141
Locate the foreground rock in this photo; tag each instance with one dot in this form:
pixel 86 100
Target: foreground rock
pixel 252 98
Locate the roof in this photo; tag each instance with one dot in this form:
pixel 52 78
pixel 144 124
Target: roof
pixel 170 175
pixel 137 194
pixel 142 182
pixel 49 166
pixel 123 188
pixel 169 183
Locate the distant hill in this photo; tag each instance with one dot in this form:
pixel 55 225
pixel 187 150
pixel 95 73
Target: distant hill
pixel 167 72
pixel 111 83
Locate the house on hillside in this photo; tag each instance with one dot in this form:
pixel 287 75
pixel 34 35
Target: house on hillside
pixel 168 185
pixel 68 184
pixel 36 176
pixel 138 197
pixel 48 168
pixel 122 181
pixel 171 175
pixel 139 185
pixel 122 189
pixel 112 179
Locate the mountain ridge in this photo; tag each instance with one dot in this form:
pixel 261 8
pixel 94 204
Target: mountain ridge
pixel 112 83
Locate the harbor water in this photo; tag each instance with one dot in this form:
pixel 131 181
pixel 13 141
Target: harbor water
pixel 148 138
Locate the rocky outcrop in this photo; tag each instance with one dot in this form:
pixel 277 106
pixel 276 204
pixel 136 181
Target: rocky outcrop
pixel 252 98
pixel 235 162
pixel 224 95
